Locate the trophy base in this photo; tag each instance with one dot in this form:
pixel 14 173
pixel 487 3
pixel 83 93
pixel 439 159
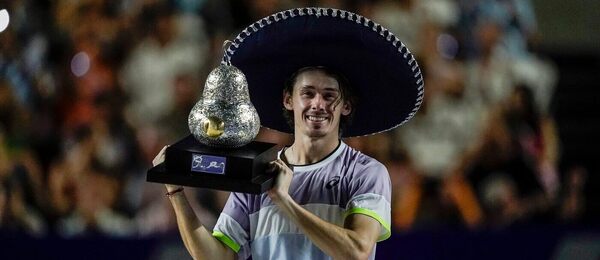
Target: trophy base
pixel 191 163
pixel 256 185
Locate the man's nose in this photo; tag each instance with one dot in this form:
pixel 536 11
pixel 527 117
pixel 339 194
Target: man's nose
pixel 318 103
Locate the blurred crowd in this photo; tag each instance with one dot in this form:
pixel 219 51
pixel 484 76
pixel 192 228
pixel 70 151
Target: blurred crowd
pixel 91 90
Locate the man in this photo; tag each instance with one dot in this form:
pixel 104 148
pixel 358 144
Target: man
pixel 328 200
pixel 309 202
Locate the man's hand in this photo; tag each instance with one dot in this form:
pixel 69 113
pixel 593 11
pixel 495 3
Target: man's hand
pixel 282 182
pixel 160 157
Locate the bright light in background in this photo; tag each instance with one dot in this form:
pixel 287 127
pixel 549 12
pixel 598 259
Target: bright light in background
pixel 80 64
pixel 447 46
pixel 4 19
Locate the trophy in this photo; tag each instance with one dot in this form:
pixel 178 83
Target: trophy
pixel 219 153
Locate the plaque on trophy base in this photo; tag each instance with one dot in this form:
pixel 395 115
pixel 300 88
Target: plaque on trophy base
pixel 191 163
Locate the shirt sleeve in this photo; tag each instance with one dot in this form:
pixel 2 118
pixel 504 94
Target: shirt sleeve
pixel 370 194
pixel 233 226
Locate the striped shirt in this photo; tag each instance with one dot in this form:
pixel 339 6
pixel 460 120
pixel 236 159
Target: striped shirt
pixel 343 183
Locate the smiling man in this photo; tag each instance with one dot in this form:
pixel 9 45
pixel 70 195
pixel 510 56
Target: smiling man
pixel 330 182
pixel 328 200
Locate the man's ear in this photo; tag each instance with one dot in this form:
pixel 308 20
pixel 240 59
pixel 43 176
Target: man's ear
pixel 346 109
pixel 287 101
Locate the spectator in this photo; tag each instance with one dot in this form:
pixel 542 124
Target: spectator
pixel 505 166
pixel 149 83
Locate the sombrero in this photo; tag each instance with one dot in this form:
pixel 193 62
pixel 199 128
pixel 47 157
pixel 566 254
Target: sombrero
pixel 381 70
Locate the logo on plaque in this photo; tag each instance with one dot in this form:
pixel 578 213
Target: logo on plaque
pixel 208 164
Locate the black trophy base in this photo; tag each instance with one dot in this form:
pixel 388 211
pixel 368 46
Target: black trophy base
pixel 191 163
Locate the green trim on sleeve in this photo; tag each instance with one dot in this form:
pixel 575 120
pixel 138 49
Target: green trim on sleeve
pixel 227 241
pixel 374 215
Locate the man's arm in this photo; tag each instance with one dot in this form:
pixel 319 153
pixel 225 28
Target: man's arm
pixel 353 241
pixel 197 239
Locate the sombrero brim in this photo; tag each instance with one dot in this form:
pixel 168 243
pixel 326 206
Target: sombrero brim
pixel 380 69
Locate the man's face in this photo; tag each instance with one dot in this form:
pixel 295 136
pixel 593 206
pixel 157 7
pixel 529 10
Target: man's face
pixel 317 105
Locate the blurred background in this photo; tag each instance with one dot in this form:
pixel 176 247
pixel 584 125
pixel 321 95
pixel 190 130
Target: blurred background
pixel 498 163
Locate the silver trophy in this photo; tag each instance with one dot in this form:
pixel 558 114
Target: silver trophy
pixel 220 153
pixel 224 116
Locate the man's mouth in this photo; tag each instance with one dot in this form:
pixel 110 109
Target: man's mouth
pixel 316 118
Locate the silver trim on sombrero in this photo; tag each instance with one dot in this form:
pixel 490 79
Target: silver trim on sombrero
pixel 342 14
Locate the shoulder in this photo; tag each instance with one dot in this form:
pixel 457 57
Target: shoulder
pixel 361 162
pixel 362 169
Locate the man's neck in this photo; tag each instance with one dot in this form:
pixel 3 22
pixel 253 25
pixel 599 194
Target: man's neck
pixel 308 150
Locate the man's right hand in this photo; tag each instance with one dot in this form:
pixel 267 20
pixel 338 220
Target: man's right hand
pixel 160 157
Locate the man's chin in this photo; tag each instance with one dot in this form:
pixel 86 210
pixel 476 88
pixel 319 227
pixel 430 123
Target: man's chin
pixel 316 133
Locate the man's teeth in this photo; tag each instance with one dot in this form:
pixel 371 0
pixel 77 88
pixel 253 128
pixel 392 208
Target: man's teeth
pixel 316 118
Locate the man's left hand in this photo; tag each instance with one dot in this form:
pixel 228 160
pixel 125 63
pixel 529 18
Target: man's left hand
pixel 282 182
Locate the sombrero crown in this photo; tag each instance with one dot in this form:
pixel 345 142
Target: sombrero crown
pixel 381 70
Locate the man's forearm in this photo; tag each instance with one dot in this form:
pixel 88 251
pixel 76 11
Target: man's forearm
pixel 197 239
pixel 335 241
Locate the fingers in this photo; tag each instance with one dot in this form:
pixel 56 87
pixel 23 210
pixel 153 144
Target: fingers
pixel 272 166
pixel 278 163
pixel 160 157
